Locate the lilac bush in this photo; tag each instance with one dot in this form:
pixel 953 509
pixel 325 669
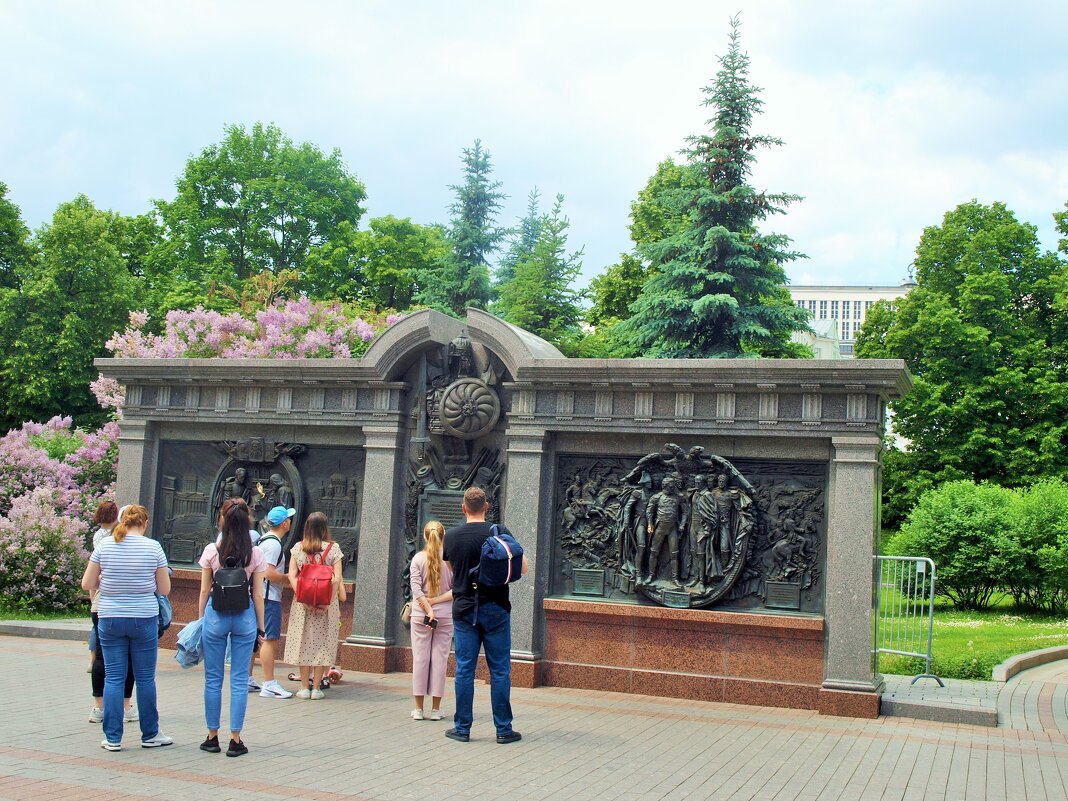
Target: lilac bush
pixel 292 328
pixel 41 553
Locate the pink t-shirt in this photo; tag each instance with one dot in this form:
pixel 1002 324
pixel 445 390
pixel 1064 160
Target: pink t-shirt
pixel 210 558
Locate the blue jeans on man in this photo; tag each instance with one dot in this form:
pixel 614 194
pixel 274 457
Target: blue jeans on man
pixel 239 628
pixel 490 627
pixel 129 640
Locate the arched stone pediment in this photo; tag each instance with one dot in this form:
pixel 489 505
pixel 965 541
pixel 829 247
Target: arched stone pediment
pixel 392 353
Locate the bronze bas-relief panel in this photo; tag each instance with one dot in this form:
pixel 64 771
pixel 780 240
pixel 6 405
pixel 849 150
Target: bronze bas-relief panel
pixel 731 530
pixel 195 477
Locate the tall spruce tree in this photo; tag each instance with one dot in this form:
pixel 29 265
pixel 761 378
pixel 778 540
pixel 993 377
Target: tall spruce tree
pixel 524 238
pixel 541 297
pixel 717 284
pixel 463 278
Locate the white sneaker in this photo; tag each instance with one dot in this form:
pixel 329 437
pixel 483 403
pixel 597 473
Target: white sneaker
pixel 435 714
pixel 253 685
pixel 159 740
pixel 110 746
pixel 305 693
pixel 272 689
pixel 417 714
pixel 96 715
pixel 130 715
pixel 317 695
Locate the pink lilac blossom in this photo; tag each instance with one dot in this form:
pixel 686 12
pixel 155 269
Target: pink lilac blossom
pixel 288 329
pixel 41 553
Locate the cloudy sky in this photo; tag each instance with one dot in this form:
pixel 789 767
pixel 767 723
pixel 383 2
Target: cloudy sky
pixel 892 113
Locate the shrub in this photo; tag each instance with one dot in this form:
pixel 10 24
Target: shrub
pixel 966 528
pixel 287 329
pixel 1040 526
pixel 77 467
pixel 41 554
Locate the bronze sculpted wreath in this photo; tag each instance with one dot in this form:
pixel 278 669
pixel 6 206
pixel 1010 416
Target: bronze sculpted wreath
pixel 469 408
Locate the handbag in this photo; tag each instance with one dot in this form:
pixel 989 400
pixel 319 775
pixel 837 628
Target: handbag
pixel 315 581
pixel 406 613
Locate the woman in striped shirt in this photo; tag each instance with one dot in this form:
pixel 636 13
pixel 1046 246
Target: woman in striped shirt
pixel 127 570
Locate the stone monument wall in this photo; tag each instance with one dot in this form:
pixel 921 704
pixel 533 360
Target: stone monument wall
pixel 696 528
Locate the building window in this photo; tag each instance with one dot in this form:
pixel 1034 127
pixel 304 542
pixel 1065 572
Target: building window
pixel 856 328
pixel 801 303
pixel 823 310
pixel 867 305
pixel 812 307
pixel 845 309
pixel 834 309
pixel 856 309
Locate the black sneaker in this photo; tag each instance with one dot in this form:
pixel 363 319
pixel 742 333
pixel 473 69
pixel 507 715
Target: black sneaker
pixel 459 736
pixel 211 745
pixel 236 748
pixel 510 737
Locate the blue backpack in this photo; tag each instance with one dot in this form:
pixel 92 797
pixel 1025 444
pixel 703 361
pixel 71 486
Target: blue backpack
pixel 501 561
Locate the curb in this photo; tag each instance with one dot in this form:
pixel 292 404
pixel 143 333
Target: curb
pixel 46 629
pixel 1015 664
pixel 940 713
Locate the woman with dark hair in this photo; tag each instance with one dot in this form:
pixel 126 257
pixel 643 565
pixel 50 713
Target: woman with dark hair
pixel 107 517
pixel 127 570
pixel 240 623
pixel 311 641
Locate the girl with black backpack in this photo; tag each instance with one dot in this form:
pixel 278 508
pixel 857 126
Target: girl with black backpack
pixel 231 604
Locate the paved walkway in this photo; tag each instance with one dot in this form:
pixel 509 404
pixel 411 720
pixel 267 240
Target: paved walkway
pixel 359 743
pixel 1036 699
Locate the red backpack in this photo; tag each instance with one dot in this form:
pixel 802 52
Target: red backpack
pixel 315 581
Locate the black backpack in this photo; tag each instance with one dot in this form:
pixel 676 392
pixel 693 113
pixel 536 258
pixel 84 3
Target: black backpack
pixel 230 590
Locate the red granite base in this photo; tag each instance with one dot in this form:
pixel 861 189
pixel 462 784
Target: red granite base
pixel 745 658
pixel 849 703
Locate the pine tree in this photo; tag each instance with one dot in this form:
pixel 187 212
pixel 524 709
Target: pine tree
pixel 524 238
pixel 540 296
pixel 717 284
pixel 463 277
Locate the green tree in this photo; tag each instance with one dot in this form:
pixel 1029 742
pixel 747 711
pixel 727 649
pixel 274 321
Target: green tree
pixel 15 249
pixel 74 296
pixel 540 296
pixel 716 288
pixel 524 238
pixel 984 338
pixel 463 278
pixel 254 202
pixel 382 267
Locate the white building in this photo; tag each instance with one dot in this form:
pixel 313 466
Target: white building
pixel 845 306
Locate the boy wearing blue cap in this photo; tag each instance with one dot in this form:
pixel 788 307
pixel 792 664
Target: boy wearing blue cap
pixel 280 519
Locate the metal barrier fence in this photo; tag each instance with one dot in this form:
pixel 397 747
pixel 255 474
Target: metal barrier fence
pixel 904 609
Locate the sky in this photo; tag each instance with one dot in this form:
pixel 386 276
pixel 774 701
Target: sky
pixel 891 113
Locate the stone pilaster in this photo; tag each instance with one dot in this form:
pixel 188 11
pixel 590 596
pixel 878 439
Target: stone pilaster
pixel 138 464
pixel 850 685
pixel 527 513
pixel 376 570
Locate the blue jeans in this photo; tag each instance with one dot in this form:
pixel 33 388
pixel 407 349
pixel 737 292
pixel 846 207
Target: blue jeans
pixel 491 629
pixel 129 640
pixel 238 629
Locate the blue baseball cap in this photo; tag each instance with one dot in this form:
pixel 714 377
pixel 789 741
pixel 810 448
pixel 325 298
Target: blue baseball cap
pixel 279 514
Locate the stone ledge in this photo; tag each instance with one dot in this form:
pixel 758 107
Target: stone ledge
pixel 1015 664
pixel 940 713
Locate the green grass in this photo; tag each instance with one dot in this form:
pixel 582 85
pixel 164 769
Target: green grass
pixel 967 645
pixel 14 613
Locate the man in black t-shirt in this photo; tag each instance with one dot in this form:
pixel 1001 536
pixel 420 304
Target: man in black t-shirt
pixel 481 619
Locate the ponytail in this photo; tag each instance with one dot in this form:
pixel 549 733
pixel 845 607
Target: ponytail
pixel 433 534
pixel 135 517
